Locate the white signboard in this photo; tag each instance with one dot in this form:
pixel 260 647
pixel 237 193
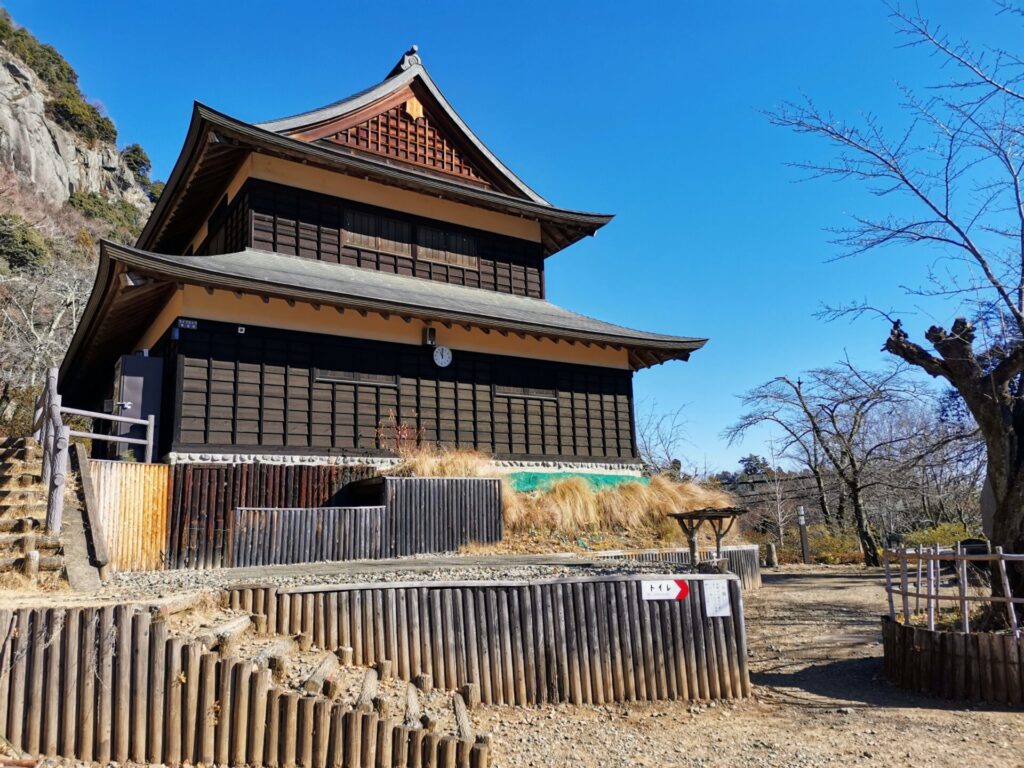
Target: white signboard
pixel 664 589
pixel 716 598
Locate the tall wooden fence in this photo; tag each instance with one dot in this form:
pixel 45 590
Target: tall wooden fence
pixel 280 536
pixel 742 559
pixel 409 515
pixel 580 640
pixel 204 498
pixel 426 514
pixel 109 684
pixel 132 500
pixel 221 515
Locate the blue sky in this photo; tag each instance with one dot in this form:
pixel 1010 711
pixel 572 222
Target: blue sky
pixel 651 111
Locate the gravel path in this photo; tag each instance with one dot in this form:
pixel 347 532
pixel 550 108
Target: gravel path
pixel 820 701
pixel 156 585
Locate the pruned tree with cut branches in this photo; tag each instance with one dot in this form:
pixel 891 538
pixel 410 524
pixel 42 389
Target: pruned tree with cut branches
pixel 954 176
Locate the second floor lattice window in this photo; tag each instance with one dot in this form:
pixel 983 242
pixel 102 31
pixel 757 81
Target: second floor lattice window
pixel 378 233
pixel 453 248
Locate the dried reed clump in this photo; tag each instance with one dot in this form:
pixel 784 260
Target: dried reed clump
pixel 429 461
pixel 571 506
pixel 14 581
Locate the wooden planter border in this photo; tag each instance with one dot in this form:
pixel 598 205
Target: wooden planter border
pixel 979 666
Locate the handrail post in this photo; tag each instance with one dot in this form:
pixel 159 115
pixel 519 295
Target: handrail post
pixel 58 478
pixel 38 417
pixel 1007 595
pixel 42 434
pixel 905 586
pixel 53 423
pixel 888 586
pixel 150 431
pixel 43 404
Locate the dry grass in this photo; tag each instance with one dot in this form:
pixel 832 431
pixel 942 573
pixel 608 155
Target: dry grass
pixel 14 581
pixel 571 506
pixel 429 461
pixel 571 514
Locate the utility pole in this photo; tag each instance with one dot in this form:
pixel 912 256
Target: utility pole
pixel 801 520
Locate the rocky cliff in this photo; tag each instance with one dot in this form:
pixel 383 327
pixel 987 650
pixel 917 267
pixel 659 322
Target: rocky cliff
pixel 53 161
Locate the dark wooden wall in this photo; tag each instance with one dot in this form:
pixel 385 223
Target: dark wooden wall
pixel 299 392
pixel 204 497
pixel 274 217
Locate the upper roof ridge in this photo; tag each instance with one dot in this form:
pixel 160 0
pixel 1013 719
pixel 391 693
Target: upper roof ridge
pixel 410 58
pixel 409 69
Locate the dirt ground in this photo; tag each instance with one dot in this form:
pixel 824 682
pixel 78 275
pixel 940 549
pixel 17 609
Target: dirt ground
pixel 820 699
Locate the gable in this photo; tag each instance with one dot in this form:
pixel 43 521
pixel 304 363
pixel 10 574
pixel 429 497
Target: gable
pixel 400 135
pixel 408 128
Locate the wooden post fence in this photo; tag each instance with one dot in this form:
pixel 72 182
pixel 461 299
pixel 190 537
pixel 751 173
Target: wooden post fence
pixel 581 640
pixel 742 559
pixel 102 684
pixel 928 562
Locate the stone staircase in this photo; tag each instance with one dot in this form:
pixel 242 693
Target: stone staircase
pixel 24 545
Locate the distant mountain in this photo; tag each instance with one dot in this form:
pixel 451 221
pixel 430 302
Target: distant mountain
pixel 49 135
pixel 63 185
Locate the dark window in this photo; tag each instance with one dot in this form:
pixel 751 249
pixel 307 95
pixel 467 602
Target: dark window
pixel 378 233
pixel 453 248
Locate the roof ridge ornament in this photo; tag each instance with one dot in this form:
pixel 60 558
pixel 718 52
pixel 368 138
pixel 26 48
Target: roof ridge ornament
pixel 410 58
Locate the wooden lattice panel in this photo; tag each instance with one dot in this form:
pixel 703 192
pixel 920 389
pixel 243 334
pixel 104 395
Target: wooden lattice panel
pixel 396 134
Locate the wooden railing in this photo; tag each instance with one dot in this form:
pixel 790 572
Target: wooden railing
pixel 922 573
pixel 55 436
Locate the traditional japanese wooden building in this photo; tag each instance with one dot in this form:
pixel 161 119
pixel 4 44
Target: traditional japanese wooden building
pixel 305 281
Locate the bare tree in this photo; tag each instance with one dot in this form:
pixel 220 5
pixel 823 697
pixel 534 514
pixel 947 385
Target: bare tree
pixel 954 177
pixel 845 412
pixel 768 406
pixel 660 437
pixel 775 506
pixel 38 313
pixel 944 464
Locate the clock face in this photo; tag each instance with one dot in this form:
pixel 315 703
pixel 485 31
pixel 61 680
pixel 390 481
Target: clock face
pixel 442 356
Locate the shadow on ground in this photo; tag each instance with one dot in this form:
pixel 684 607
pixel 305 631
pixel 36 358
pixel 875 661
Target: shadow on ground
pixel 825 652
pixel 857 681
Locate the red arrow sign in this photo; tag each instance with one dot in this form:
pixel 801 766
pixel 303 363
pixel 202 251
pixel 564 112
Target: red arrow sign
pixel 664 589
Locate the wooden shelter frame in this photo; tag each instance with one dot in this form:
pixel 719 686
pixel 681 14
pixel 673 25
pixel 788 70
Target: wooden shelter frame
pixel 721 520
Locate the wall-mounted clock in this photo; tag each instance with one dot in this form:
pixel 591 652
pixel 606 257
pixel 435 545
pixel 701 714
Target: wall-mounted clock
pixel 442 357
